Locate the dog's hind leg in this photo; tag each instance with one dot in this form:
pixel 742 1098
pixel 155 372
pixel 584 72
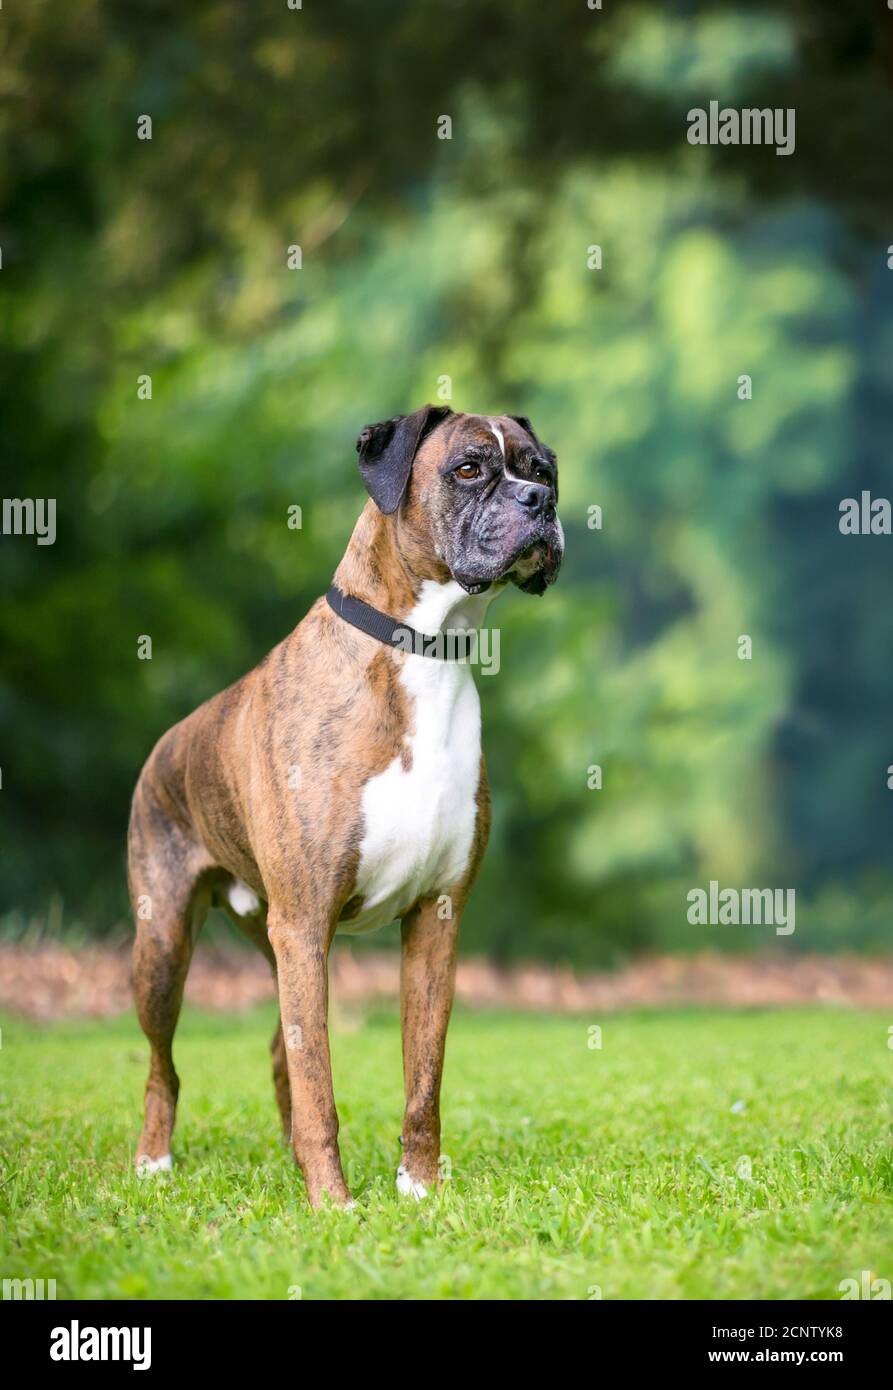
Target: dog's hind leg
pixel 170 893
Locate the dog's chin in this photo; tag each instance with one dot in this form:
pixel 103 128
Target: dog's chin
pixel 532 570
pixel 535 568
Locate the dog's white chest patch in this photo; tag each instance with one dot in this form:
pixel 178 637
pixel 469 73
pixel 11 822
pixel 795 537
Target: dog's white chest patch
pixel 419 820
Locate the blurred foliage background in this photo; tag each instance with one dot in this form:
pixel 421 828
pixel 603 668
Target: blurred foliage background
pixel 468 258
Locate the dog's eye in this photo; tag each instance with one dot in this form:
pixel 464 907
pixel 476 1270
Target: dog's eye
pixel 469 471
pixel 543 475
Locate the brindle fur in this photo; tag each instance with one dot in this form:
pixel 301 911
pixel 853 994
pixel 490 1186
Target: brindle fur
pixel 217 801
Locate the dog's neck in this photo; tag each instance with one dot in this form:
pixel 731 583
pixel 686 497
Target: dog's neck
pixel 379 570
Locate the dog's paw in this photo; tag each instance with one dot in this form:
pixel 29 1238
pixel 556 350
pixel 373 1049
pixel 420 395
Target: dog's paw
pixel 146 1166
pixel 408 1186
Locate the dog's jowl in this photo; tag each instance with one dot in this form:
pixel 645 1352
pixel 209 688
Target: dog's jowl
pixel 340 785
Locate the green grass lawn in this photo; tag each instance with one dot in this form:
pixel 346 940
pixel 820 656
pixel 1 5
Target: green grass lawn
pixel 623 1169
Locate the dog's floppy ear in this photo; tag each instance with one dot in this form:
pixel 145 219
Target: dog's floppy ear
pixel 387 450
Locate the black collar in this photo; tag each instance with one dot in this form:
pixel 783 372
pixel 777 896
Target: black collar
pixel 446 646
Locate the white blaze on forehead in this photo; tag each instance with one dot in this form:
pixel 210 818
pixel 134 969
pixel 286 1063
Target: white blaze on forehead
pixel 498 433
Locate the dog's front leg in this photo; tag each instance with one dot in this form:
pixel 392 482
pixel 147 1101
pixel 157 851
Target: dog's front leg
pixel 427 980
pixel 301 950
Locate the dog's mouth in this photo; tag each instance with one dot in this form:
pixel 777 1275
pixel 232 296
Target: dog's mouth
pixel 536 567
pixel 531 570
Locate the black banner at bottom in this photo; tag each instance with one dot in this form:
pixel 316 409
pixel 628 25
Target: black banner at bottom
pixel 162 1338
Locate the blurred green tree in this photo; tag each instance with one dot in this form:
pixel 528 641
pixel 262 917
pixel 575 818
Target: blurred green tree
pixel 467 258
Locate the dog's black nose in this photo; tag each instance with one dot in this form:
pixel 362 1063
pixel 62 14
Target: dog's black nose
pixel 535 496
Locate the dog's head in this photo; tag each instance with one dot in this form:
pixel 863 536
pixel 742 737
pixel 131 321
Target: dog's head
pixel 473 497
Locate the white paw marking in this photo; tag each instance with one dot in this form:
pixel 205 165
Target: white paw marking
pixel 146 1165
pixel 409 1187
pixel 242 899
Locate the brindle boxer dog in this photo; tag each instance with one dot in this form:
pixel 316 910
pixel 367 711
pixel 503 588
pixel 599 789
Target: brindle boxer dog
pixel 340 785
